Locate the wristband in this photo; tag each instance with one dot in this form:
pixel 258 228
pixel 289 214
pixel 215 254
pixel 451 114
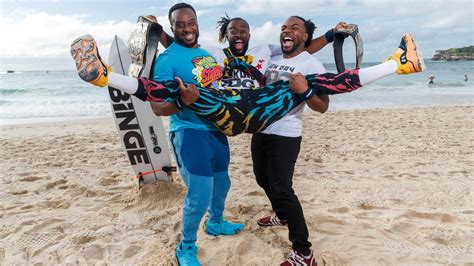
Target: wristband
pixel 179 103
pixel 306 94
pixel 329 36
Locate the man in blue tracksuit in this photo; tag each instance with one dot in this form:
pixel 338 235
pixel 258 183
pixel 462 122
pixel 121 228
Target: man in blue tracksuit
pixel 201 150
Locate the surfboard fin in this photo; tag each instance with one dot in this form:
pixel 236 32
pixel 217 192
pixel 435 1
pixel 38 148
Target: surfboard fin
pixel 169 169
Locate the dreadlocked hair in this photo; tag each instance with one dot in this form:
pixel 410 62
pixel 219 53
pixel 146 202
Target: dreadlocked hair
pixel 222 26
pixel 310 27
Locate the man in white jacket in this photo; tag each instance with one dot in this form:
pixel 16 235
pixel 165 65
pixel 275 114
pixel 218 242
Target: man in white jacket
pixel 275 150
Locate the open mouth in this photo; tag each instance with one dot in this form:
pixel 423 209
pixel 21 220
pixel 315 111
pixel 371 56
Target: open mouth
pixel 239 45
pixel 189 37
pixel 287 42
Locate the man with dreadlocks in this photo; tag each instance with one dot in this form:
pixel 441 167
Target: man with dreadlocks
pixel 236 31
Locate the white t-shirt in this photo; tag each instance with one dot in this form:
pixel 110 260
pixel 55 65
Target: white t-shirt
pixel 260 54
pixel 280 68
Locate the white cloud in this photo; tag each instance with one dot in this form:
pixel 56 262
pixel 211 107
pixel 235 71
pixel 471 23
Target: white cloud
pixel 36 35
pixel 267 33
pixel 436 24
pixel 210 3
pixel 287 8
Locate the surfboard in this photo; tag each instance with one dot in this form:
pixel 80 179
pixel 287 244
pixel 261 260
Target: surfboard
pixel 140 131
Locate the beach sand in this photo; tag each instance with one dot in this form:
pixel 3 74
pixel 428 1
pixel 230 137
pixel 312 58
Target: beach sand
pixel 379 187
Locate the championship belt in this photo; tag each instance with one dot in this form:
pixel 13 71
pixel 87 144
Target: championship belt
pixel 339 37
pixel 143 47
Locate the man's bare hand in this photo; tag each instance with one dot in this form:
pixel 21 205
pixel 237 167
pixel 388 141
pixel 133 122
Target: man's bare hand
pixel 151 18
pixel 341 26
pixel 188 93
pixel 298 83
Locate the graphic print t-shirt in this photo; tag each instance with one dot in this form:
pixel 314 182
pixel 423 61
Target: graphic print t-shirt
pixel 192 65
pixel 258 56
pixel 281 69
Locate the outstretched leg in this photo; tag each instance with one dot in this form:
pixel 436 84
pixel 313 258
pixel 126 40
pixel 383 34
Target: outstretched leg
pixel 407 59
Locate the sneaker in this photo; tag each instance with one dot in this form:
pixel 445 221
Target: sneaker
pixel 408 56
pixel 88 62
pixel 224 228
pixel 186 254
pixel 297 258
pixel 271 221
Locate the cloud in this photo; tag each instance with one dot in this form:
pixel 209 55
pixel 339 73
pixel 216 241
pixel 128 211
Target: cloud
pixel 36 35
pixel 210 3
pixel 436 23
pixel 267 33
pixel 45 36
pixel 288 8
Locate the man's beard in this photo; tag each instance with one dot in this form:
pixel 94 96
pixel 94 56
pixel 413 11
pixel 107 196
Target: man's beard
pixel 294 48
pixel 237 53
pixel 181 41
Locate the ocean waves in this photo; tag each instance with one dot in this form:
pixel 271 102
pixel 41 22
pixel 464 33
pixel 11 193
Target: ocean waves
pixel 58 94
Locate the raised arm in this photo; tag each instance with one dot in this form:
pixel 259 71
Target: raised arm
pixel 165 39
pixel 320 42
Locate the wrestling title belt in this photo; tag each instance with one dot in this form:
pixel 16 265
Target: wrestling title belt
pixel 143 47
pixel 339 37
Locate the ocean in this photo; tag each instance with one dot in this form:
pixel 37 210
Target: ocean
pixel 40 96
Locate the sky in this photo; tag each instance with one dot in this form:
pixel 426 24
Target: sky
pixel 36 34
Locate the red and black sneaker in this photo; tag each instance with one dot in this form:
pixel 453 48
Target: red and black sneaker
pixel 296 258
pixel 271 221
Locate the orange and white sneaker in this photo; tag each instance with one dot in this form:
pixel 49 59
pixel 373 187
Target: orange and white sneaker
pixel 88 62
pixel 408 56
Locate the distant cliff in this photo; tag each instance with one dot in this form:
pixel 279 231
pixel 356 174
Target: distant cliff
pixel 455 54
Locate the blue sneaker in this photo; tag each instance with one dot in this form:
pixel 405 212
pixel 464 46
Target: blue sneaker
pixel 186 254
pixel 224 228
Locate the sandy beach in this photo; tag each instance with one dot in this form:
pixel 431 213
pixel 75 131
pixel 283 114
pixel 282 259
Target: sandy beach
pixel 378 187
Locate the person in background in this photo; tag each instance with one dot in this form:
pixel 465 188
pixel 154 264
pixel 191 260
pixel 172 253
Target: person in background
pixel 431 78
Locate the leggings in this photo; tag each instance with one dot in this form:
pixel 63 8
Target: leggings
pixel 236 111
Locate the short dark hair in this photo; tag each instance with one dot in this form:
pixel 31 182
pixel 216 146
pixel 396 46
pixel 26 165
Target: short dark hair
pixel 223 23
pixel 179 6
pixel 310 27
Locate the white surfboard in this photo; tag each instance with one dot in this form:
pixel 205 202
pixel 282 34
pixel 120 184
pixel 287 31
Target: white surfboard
pixel 141 132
